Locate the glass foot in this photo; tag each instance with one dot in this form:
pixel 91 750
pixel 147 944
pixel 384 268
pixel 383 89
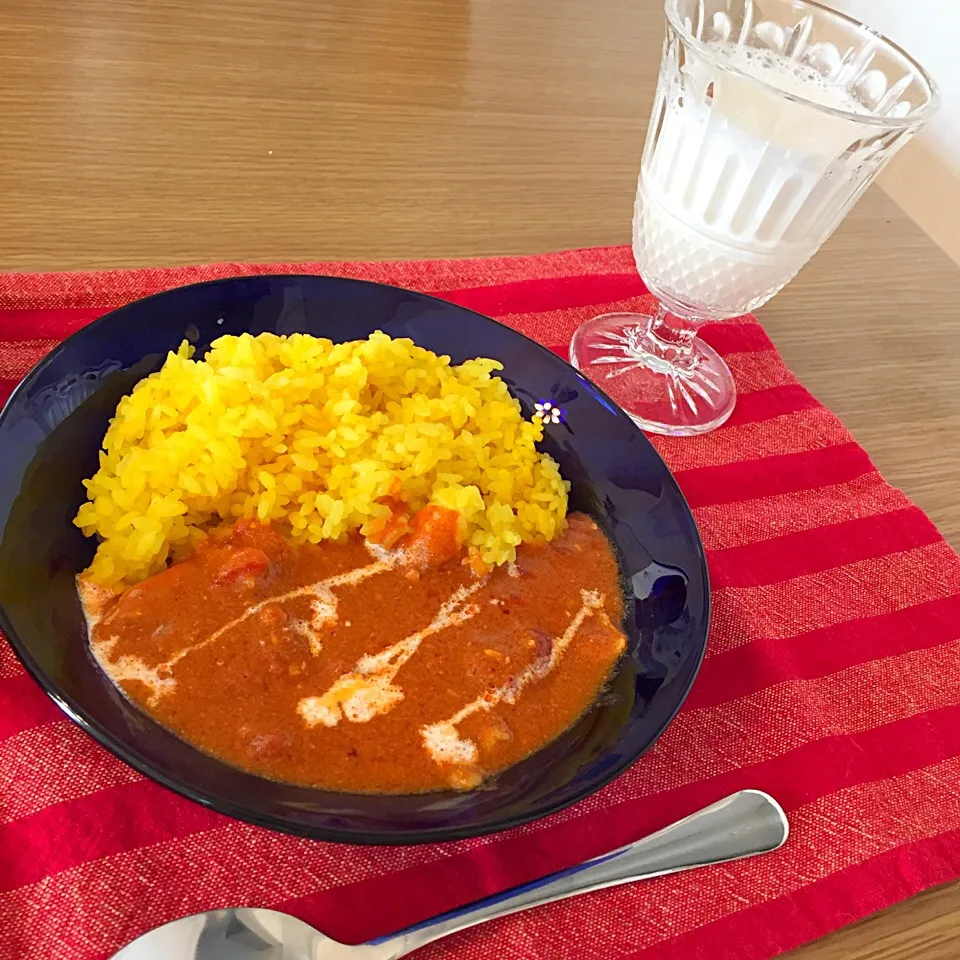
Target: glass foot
pixel 677 388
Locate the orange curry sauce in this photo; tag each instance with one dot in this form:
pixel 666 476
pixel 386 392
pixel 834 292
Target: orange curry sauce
pixel 351 667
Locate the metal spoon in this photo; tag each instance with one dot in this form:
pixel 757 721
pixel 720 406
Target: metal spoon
pixel 742 825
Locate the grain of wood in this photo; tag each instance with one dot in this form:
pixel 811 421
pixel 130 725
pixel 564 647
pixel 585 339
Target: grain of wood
pixel 179 132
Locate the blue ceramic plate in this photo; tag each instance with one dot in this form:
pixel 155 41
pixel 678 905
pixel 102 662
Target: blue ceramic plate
pixel 50 432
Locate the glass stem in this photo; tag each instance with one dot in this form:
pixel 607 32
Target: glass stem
pixel 671 336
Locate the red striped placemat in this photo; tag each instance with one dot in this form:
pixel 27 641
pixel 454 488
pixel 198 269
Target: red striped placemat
pixel 832 680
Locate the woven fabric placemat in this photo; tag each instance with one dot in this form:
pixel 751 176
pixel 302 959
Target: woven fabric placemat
pixel 832 680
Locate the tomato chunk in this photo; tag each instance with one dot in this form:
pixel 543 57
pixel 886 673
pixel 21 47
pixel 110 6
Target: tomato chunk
pixel 390 529
pixel 436 535
pixel 247 563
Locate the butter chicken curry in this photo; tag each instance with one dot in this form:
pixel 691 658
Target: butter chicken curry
pixel 389 668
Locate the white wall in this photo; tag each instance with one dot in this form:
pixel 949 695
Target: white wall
pixel 925 177
pixel 929 30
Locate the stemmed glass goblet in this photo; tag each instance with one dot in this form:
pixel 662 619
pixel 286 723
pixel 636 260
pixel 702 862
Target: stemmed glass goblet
pixel 770 120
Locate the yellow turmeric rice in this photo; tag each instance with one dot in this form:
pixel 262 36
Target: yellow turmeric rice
pixel 311 436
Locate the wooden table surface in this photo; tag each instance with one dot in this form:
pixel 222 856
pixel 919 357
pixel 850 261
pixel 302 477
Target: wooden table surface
pixel 173 131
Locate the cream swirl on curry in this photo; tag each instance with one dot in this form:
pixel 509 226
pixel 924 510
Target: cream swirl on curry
pixel 348 666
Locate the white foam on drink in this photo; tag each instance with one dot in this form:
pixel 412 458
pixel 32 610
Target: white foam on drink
pixel 768 116
pixel 797 79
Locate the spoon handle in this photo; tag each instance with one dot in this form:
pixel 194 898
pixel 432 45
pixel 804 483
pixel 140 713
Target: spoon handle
pixel 741 825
